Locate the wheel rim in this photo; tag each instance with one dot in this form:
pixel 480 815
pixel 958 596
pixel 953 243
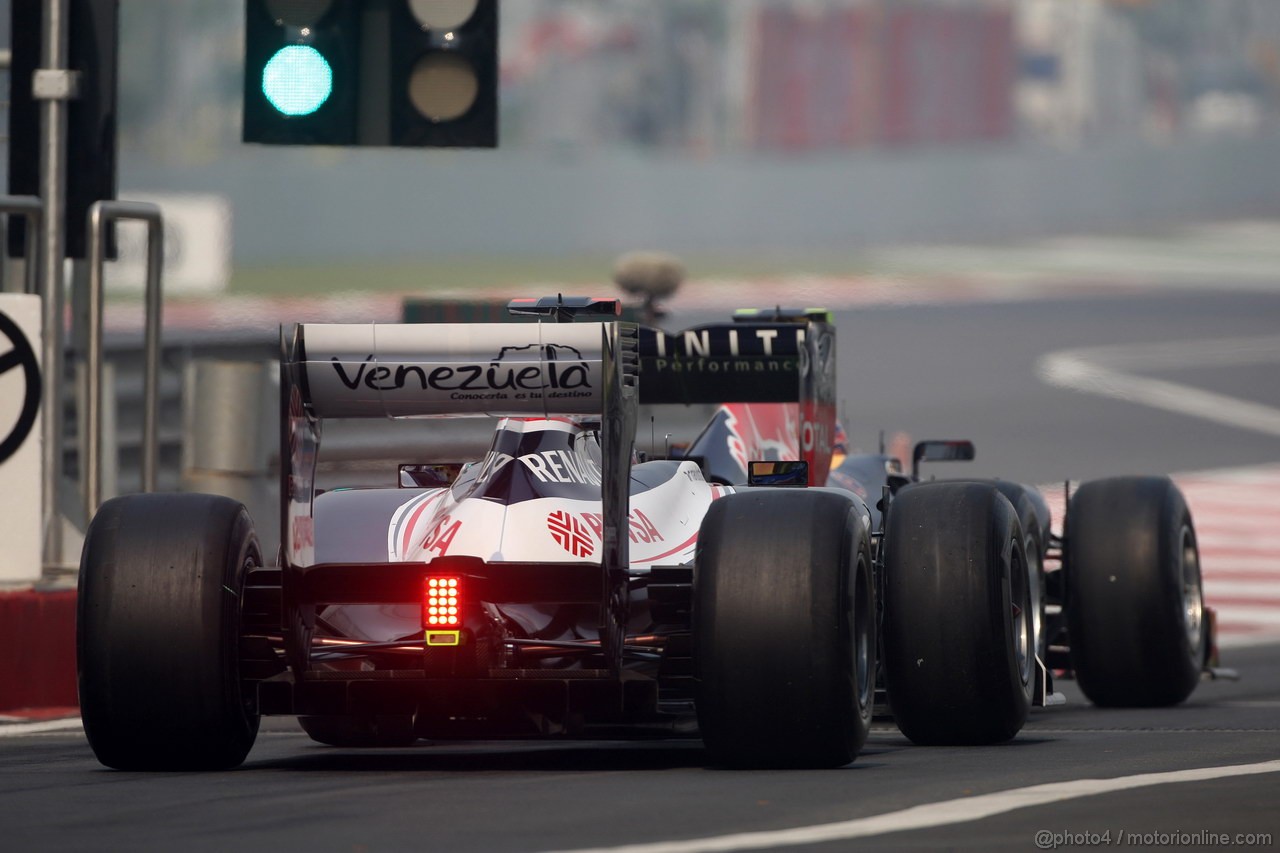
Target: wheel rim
pixel 1192 599
pixel 1035 595
pixel 862 620
pixel 1020 604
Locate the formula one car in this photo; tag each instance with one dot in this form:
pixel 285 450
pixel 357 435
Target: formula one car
pixel 740 591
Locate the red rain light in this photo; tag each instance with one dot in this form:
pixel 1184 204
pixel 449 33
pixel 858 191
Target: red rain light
pixel 441 602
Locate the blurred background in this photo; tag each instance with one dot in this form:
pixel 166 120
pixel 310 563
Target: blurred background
pixel 1049 226
pixel 703 77
pixel 752 135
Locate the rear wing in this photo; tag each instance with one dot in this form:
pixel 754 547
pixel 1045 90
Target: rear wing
pixel 453 369
pixel 789 357
pixel 406 370
pixel 726 362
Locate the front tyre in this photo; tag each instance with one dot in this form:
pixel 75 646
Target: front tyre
pixel 958 626
pixel 158 631
pixel 784 629
pixel 1135 609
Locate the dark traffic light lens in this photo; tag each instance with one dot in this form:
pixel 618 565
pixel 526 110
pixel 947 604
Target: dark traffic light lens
pixel 442 14
pixel 443 86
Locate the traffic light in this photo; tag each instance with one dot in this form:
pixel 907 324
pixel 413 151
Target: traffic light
pixel 371 72
pixel 301 71
pixel 91 118
pixel 93 29
pixel 444 73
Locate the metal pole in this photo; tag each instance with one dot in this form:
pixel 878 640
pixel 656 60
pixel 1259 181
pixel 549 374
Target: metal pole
pixel 100 213
pixel 53 125
pixel 91 474
pixel 151 389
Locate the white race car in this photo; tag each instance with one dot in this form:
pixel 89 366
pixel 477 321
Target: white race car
pixel 562 586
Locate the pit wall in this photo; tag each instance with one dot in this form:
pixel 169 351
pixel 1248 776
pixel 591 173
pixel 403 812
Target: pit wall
pixel 37 651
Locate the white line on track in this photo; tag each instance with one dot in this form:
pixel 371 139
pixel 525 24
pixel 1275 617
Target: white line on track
pixel 1232 641
pixel 1098 370
pixel 1241 589
pixel 943 813
pixel 1264 566
pixel 42 727
pixel 1228 537
pixel 1258 616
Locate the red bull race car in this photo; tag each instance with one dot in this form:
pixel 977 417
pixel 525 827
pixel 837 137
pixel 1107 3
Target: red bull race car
pixel 740 590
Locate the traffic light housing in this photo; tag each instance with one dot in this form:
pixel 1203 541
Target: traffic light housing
pixel 301 71
pixel 93 31
pixel 371 72
pixel 444 75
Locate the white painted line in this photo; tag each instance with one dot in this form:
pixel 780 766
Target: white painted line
pixel 1070 369
pixel 18 729
pixel 1211 563
pixel 945 813
pixel 1099 370
pixel 1227 533
pixel 1229 500
pixel 1243 614
pixel 1244 640
pixel 1242 546
pixel 1241 589
pixel 1211 352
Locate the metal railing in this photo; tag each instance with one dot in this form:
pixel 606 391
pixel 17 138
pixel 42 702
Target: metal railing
pixel 100 214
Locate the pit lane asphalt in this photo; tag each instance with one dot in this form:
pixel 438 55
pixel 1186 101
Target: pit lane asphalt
pixel 935 371
pixel 293 794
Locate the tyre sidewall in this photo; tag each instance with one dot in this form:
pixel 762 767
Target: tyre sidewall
pixel 774 629
pixel 951 666
pixel 1125 605
pixel 158 625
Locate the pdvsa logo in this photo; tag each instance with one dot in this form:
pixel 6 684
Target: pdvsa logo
pixel 577 533
pixel 570 533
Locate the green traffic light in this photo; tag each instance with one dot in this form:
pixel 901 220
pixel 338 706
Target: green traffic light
pixel 297 80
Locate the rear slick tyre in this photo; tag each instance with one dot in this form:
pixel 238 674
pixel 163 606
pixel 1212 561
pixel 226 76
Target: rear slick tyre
pixel 158 632
pixel 784 629
pixel 1033 518
pixel 958 637
pixel 1135 609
